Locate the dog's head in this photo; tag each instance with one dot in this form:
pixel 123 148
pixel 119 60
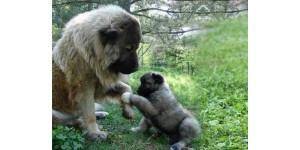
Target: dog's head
pixel 150 82
pixel 120 42
pixel 108 36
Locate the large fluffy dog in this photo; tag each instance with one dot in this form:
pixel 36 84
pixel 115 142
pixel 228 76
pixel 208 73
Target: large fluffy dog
pixel 160 108
pixel 96 51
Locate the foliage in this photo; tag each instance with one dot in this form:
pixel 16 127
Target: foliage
pixel 56 32
pixel 221 83
pixel 167 26
pixel 67 138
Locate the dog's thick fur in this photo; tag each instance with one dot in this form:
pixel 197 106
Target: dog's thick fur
pixel 160 108
pixel 94 55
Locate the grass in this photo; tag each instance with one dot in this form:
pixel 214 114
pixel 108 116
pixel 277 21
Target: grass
pixel 217 94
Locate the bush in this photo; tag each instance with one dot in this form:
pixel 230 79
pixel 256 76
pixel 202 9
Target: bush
pixel 65 138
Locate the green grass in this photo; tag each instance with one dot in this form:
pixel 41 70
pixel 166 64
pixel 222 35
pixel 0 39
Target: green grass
pixel 217 94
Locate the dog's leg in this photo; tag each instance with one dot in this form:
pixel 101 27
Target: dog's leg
pixel 60 115
pixel 101 114
pixel 116 92
pixel 84 97
pixel 62 118
pixel 89 117
pixel 98 107
pixel 99 111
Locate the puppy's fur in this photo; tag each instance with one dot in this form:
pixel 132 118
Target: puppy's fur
pixel 160 108
pixel 89 64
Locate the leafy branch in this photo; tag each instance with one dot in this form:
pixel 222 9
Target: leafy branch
pixel 187 12
pixel 76 2
pixel 171 32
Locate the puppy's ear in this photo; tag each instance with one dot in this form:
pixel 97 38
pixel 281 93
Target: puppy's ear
pixel 158 78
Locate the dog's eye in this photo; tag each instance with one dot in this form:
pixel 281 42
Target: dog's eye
pixel 125 25
pixel 129 48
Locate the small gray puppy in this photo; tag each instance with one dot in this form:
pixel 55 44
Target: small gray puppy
pixel 160 108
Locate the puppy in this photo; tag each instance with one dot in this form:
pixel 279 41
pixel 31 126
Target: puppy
pixel 160 109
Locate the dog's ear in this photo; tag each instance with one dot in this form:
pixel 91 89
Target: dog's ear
pixel 108 30
pixel 111 32
pixel 108 34
pixel 158 78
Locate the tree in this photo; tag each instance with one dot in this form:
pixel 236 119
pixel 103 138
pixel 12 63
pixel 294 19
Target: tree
pixel 166 25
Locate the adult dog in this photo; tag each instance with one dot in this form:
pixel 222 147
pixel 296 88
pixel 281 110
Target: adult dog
pixel 96 51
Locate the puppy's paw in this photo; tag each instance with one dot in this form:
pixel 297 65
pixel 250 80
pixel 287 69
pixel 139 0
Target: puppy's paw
pixel 179 146
pixel 175 147
pixel 136 129
pixel 125 97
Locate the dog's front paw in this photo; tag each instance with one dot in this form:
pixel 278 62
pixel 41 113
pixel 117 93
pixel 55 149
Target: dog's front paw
pixel 128 113
pixel 125 97
pixel 101 135
pixel 101 114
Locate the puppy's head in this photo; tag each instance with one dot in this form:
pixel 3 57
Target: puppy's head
pixel 150 82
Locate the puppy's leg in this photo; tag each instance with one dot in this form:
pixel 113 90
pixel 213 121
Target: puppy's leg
pixel 143 126
pixel 180 145
pixel 188 129
pixel 141 103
